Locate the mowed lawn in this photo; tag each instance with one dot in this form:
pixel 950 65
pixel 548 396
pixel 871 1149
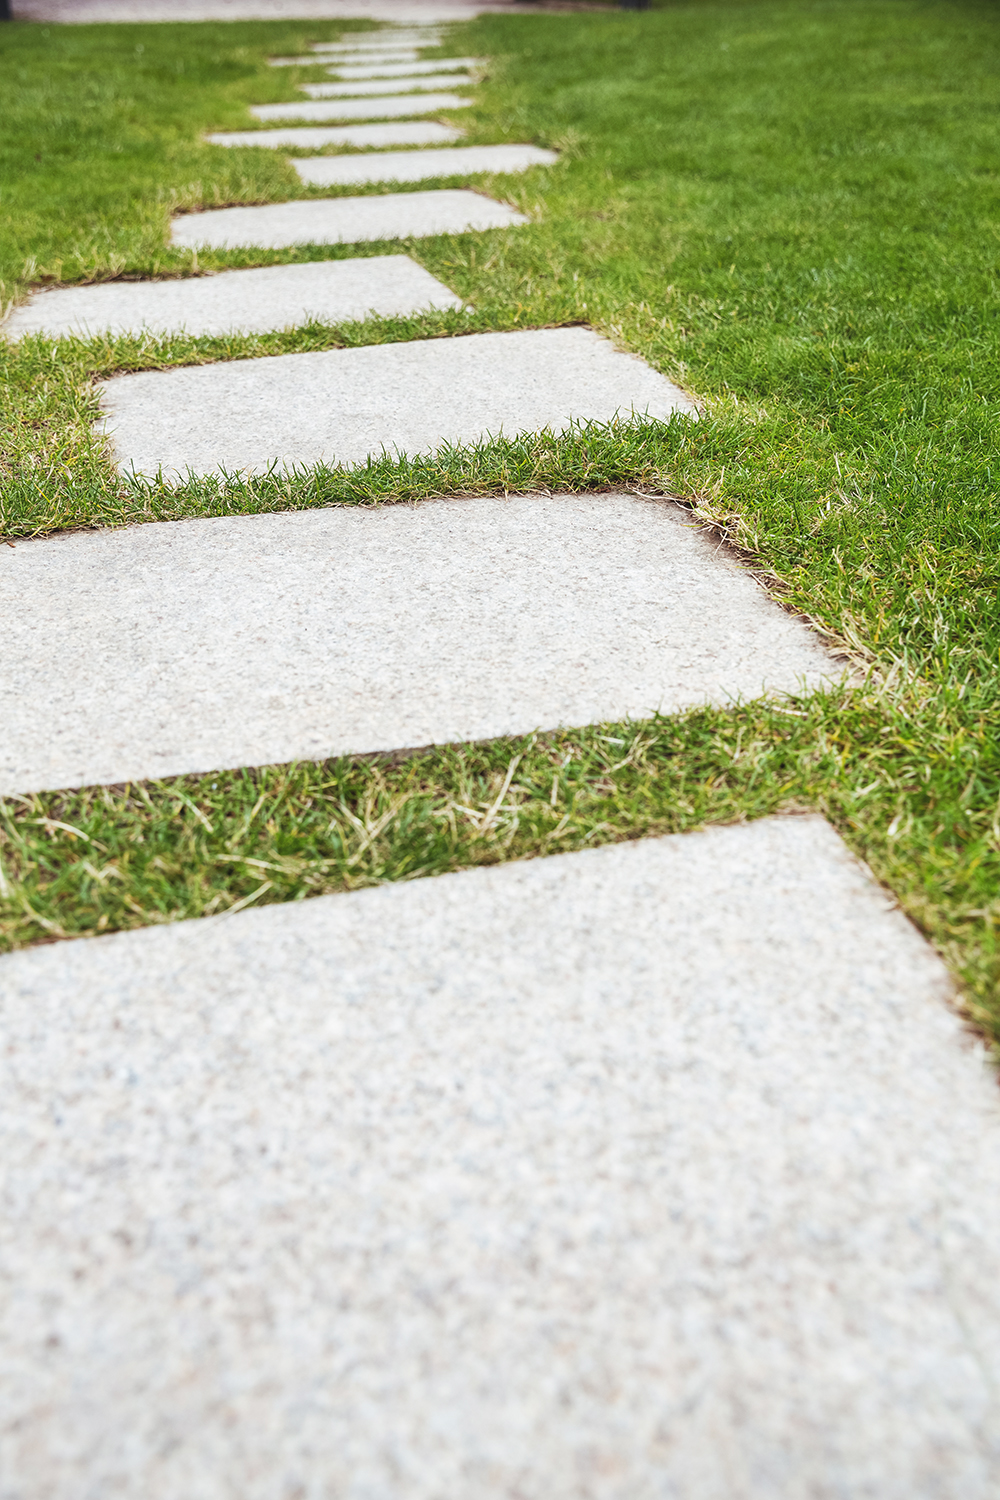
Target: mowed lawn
pixel 791 209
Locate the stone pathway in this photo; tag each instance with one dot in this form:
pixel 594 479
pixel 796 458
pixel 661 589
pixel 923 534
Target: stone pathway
pixel 660 1169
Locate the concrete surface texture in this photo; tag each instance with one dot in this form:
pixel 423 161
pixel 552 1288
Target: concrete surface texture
pixel 384 87
pixel 390 1194
pixel 364 137
pixel 406 70
pixel 243 640
pixel 370 55
pixel 344 221
pixel 417 12
pixel 416 166
pixel 379 42
pixel 359 109
pixel 272 297
pixel 341 405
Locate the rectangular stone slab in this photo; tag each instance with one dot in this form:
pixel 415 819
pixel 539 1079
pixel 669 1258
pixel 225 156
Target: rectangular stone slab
pixel 372 42
pixel 664 1164
pixel 244 640
pixel 369 54
pixel 341 405
pixel 272 297
pixel 406 70
pixel 364 137
pixel 344 221
pixel 383 87
pixel 360 109
pixel 415 166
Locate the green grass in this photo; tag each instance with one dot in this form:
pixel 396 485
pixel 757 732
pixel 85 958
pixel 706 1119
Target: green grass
pixel 789 208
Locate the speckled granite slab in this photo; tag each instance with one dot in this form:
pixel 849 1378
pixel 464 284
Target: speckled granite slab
pixel 415 166
pixel 363 137
pixel 241 640
pixel 255 301
pixel 383 88
pixel 387 69
pixel 344 221
pixel 342 405
pixel 396 106
pixel 656 1170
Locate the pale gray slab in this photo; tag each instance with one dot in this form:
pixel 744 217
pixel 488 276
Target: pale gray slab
pixel 365 56
pixel 402 44
pixel 250 301
pixel 360 109
pixel 293 62
pixel 365 137
pixel 196 645
pixel 421 12
pixel 342 405
pixel 377 41
pixel 406 70
pixel 414 166
pixel 383 87
pixel 346 221
pixel 658 1170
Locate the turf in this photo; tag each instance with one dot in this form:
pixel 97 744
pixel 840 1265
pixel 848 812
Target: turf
pixel 792 210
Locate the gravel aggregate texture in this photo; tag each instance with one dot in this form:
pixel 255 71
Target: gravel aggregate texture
pixel 391 1194
pixel 415 166
pixel 359 109
pixel 344 221
pixel 198 645
pixel 271 297
pixel 342 405
pixel 364 137
pixel 384 87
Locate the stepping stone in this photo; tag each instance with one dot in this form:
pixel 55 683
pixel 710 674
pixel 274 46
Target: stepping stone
pixel 360 109
pixel 244 640
pixel 373 43
pixel 343 221
pixel 385 86
pixel 342 405
pixel 272 297
pixel 364 137
pixel 366 57
pixel 414 166
pixel 660 1169
pixel 407 70
pixel 293 62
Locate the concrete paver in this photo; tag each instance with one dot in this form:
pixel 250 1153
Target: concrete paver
pixel 271 297
pixel 419 12
pixel 383 87
pixel 363 137
pixel 406 70
pixel 415 166
pixel 379 108
pixel 391 1193
pixel 366 56
pixel 378 45
pixel 243 640
pixel 341 405
pixel 344 221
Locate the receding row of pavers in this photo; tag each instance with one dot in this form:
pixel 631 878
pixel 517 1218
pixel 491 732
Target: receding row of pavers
pixel 655 1169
